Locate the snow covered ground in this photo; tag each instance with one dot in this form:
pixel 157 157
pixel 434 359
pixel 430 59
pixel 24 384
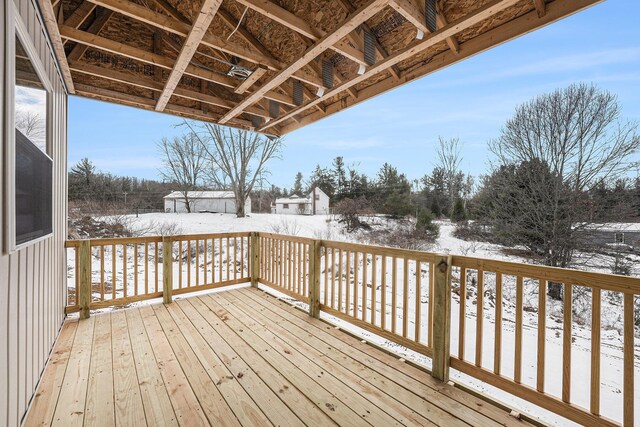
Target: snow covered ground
pixel 326 227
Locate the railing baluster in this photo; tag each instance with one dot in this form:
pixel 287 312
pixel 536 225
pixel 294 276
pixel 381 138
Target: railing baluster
pixel 101 272
pixel 517 364
pixel 394 294
pixel 197 266
pixel 179 264
pixel 383 295
pixel 347 302
pixel 242 273
pixel 235 258
pixel 356 284
pixel 305 278
pixel 479 317
pixel 628 375
pixel 340 280
pixel 113 271
pixel 405 298
pixel 418 304
pixel 124 270
pixel 595 350
pixel 221 265
pixel 463 310
pixel 365 258
pixel 432 281
pixel 146 268
pixel 374 272
pixel 228 260
pixel 204 260
pixel 155 263
pixel 167 269
pixel 188 263
pixel 566 343
pixel 135 269
pixel 497 351
pixel 542 332
pixel 333 278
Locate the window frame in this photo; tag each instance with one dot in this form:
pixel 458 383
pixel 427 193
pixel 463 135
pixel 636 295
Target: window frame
pixel 15 28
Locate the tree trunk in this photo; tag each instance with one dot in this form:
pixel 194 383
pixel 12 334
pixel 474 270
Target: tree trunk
pixel 555 291
pixel 240 206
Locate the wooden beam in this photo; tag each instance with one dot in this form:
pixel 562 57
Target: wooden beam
pixel 508 31
pixel 297 24
pixel 80 15
pixel 452 42
pixel 412 13
pixel 175 26
pixel 101 20
pixel 461 24
pixel 359 42
pixel 365 12
pixel 172 11
pixel 51 23
pixel 121 49
pixel 250 81
pixel 541 7
pixel 149 104
pixel 152 84
pixel 200 27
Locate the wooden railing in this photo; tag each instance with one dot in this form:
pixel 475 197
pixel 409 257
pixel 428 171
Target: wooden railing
pixel 120 271
pixel 407 297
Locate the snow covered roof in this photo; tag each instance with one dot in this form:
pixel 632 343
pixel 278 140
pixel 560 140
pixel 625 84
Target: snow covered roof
pixel 201 195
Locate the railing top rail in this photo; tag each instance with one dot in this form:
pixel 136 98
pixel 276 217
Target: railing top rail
pixel 606 281
pixel 152 239
pixel 285 237
pixel 382 250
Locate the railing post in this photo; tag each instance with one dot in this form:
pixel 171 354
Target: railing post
pixel 441 318
pixel 315 253
pixel 255 259
pixel 83 293
pixel 167 269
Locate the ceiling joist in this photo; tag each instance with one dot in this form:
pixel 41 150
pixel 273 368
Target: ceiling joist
pixel 365 12
pixel 440 35
pixel 198 30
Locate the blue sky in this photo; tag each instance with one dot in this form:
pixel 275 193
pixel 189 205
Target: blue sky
pixel 470 100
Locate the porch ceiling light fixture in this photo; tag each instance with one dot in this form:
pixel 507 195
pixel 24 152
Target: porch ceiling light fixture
pixel 420 34
pixel 320 92
pixel 361 69
pixel 238 71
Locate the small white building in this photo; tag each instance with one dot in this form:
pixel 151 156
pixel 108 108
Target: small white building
pixel 204 201
pixel 315 203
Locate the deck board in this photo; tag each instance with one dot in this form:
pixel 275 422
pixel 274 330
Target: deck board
pixel 239 357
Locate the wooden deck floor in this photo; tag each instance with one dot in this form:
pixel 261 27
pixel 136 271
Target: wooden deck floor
pixel 239 357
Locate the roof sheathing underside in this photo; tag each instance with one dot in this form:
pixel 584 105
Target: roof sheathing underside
pixel 117 76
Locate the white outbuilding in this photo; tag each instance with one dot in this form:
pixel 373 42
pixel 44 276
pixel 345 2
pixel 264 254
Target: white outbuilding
pixel 315 203
pixel 203 201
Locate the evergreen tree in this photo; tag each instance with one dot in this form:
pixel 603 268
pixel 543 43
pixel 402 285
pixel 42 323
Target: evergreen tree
pixel 459 213
pixel 297 185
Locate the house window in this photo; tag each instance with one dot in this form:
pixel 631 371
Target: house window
pixel 317 197
pixel 301 206
pixel 285 206
pixel 30 173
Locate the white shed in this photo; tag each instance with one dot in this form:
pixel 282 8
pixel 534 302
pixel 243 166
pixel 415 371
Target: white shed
pixel 204 201
pixel 315 203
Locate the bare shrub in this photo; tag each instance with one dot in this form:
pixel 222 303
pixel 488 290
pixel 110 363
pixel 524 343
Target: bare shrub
pixel 350 213
pixel 286 226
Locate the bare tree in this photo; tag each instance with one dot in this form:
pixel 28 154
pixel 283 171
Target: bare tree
pixel 184 161
pixel 32 125
pixel 559 146
pixel 238 157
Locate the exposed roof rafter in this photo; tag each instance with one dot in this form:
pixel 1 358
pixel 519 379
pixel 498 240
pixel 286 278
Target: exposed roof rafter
pixel 198 30
pixel 365 12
